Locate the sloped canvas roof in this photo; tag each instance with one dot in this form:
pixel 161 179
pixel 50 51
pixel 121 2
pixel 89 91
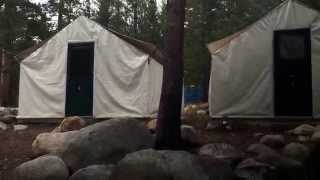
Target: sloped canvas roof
pixel 146 47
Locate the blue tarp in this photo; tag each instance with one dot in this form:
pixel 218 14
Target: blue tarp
pixel 193 94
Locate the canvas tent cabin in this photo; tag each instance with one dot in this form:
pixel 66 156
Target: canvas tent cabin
pixel 269 69
pixel 87 70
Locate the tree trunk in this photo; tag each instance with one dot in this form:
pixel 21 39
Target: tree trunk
pixel 60 12
pixel 135 18
pixel 206 79
pixel 169 117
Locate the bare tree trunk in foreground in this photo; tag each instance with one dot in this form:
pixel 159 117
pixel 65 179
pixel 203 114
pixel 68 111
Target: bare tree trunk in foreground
pixel 169 117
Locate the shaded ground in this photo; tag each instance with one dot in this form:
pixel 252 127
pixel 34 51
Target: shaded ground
pixel 240 138
pixel 15 147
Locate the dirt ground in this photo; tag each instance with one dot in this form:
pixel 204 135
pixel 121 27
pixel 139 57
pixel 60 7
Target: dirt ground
pixel 16 146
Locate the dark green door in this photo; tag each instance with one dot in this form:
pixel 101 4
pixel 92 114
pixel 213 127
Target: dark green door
pixel 292 72
pixel 79 92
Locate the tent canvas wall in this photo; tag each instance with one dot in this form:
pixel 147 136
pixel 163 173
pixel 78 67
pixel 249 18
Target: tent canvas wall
pixel 99 72
pixel 269 69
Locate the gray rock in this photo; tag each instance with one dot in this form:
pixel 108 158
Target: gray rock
pixel 212 125
pixel 264 154
pixel 184 166
pixel 4 111
pixel 20 127
pixel 71 124
pixel 274 141
pixel 190 135
pixel 221 151
pixel 106 142
pixel 201 112
pixel 3 126
pixel 152 125
pixel 296 151
pixel 258 149
pixel 269 156
pixel 303 139
pixel 9 119
pixel 304 129
pixel 45 167
pixel 159 165
pixel 316 137
pixel 252 169
pixel 258 135
pixel 94 172
pixel 216 168
pixel 142 165
pixel 53 143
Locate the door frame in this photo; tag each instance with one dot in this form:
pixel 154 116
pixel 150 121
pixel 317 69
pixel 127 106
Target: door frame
pixel 275 55
pixel 74 42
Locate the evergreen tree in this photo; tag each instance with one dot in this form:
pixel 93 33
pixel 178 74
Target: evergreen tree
pixel 112 14
pixel 65 10
pixel 22 24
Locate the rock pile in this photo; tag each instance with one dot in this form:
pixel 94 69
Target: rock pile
pixel 8 115
pixel 120 149
pixel 45 167
pixel 306 133
pixel 7 118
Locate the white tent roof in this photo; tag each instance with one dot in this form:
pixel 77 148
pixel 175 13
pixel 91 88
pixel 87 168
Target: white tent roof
pixel 215 46
pixel 126 83
pixel 242 64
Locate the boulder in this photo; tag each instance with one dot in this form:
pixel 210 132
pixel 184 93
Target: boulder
pixel 3 126
pixel 159 165
pixel 152 125
pixel 304 129
pixel 216 168
pixel 204 106
pixel 252 169
pixel 296 151
pixel 187 109
pixel 53 143
pixel 269 156
pixel 264 154
pixel 274 141
pixel 94 172
pixel 20 127
pixel 212 125
pixel 9 119
pixel 190 135
pixel 142 165
pixel 316 137
pixel 71 124
pixel 4 111
pixel 201 112
pixel 303 139
pixel 45 167
pixel 258 149
pixel 184 166
pixel 106 142
pixel 13 111
pixel 258 135
pixel 221 151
